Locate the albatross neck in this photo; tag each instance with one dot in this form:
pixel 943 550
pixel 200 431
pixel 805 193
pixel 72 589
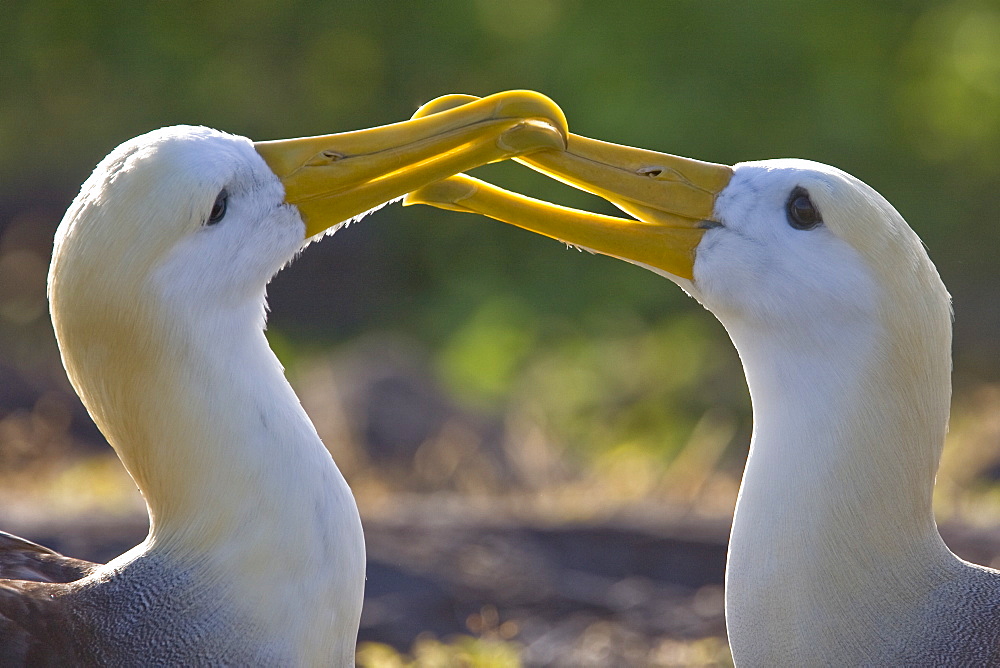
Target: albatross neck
pixel 239 449
pixel 242 494
pixel 834 527
pixel 230 466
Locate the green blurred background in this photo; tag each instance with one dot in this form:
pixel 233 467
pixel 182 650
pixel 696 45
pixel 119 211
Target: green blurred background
pixel 559 370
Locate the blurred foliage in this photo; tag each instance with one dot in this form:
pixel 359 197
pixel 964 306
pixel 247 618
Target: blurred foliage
pixel 467 652
pixel 904 94
pixel 428 652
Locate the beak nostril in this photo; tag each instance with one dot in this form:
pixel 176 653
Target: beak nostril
pixel 333 156
pixel 649 171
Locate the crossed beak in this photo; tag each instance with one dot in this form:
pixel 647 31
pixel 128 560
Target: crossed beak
pixel 334 178
pixel 672 198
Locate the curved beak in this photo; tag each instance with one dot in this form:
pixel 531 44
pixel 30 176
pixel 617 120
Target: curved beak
pixel 334 178
pixel 673 199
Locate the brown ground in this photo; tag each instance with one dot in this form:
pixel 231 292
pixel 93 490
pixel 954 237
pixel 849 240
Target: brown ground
pixel 618 593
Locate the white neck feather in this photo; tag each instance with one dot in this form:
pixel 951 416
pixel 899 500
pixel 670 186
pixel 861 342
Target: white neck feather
pixel 834 532
pixel 236 480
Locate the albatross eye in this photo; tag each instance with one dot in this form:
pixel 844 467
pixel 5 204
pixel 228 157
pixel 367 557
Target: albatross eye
pixel 802 213
pixel 218 209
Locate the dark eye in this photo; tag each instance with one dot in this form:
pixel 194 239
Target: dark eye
pixel 802 213
pixel 218 209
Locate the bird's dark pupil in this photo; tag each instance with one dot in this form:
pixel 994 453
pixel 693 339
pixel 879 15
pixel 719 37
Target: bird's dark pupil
pixel 802 213
pixel 218 209
pixel 803 209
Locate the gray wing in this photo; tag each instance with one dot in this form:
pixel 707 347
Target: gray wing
pixel 37 628
pixel 20 559
pixel 36 624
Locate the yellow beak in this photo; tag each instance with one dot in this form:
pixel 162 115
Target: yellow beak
pixel 336 177
pixel 672 197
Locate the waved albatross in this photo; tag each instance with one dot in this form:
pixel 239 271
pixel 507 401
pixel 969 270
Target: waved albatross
pixel 255 553
pixel 844 330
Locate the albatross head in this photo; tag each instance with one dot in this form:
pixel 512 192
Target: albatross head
pixel 763 242
pixel 196 199
pixel 800 251
pixel 232 212
pixel 177 232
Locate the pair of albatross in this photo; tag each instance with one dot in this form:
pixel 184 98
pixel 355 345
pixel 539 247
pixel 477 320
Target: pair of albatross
pixel 255 554
pixel 844 330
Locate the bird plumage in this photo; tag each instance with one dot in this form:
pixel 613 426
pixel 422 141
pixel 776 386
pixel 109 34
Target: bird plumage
pixel 255 553
pixel 843 326
pixel 844 332
pixel 160 322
